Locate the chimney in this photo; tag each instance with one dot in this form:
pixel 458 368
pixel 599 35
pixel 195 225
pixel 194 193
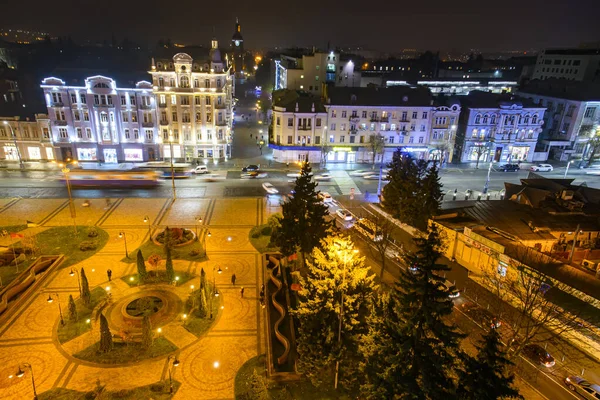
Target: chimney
pixel 312 109
pixel 153 65
pixel 296 106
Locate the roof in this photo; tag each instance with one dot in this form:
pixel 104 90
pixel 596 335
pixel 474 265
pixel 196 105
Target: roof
pixel 289 99
pixel 563 89
pixel 392 96
pixel 77 76
pixel 481 99
pixel 572 52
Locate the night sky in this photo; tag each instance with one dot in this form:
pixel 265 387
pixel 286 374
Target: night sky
pixel 380 25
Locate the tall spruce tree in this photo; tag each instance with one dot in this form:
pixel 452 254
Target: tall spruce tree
pixel 141 267
pixel 202 304
pixel 303 225
pixel 169 266
pixel 430 193
pixel 106 340
pixel 86 296
pixel 412 349
pixel 147 335
pixel 72 309
pixel 334 272
pixel 486 377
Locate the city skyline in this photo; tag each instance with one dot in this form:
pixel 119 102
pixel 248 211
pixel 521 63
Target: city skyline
pixel 518 25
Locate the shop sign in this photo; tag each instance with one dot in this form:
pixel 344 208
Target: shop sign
pixel 342 149
pixel 414 149
pixel 480 246
pixel 133 155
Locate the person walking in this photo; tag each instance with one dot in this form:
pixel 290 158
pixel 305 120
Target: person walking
pixel 242 292
pixel 107 202
pixel 109 273
pixel 233 279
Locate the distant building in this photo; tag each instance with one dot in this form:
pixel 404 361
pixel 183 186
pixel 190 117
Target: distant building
pixel 307 72
pixel 195 101
pixel 27 140
pixel 459 87
pixel 237 44
pixel 501 128
pixel 571 64
pixel 572 116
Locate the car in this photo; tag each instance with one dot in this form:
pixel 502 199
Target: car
pixel 361 172
pixel 582 387
pixel 251 168
pixel 481 315
pixel 542 168
pixel 253 175
pixel 200 169
pixel 509 167
pixel 323 177
pixel 296 174
pixel 344 214
pixel 376 177
pixel 454 293
pixel 325 197
pixel 537 353
pixel 270 188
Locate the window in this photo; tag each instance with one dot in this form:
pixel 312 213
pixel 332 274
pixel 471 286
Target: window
pixel 88 133
pixel 79 133
pixel 96 99
pixel 123 100
pixel 73 98
pixel 82 98
pixel 404 116
pixel 289 140
pixel 342 127
pixel 185 100
pixel 149 134
pixel 161 81
pixel 333 127
pixel 362 139
pixel 86 116
pixel 414 115
pixel 207 83
pixel 317 139
pixel 76 115
pixel 173 99
pixel 197 100
pixel 198 117
pixel 103 100
pixel 104 117
pixel 391 139
pixel 125 116
pixel 45 133
pixel 411 140
pixel 343 114
pixel 172 82
pixel 493 119
pixel 534 119
pixel 62 133
pixel 165 134
pixel 185 117
pixel 576 62
pixel 478 119
pixel 570 110
pixel 134 117
pixel 485 119
pixel 421 139
pixel 218 83
pixel 318 122
pixel 333 114
pixel 127 134
pixel 589 112
pixel 174 116
pixel 290 122
pixel 422 128
pixel 57 97
pixel 424 115
pixel 110 101
pixel 136 134
pixel 196 83
pixel 364 114
pixel 207 102
pixel 412 127
pixel 331 138
pixel 175 134
pixel 184 82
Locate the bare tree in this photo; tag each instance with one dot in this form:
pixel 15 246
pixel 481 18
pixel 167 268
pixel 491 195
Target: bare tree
pixel 479 150
pixel 377 146
pixel 381 242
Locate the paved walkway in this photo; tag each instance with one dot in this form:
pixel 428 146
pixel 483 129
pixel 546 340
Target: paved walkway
pixel 208 365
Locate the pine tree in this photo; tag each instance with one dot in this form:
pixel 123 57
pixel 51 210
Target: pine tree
pixel 147 336
pixel 86 296
pixel 431 195
pixel 485 376
pixel 106 341
pixel 141 267
pixel 303 225
pixel 334 273
pixel 169 266
pixel 72 309
pixel 203 285
pixel 202 304
pixel 412 349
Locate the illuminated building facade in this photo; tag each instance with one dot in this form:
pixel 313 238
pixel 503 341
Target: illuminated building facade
pixel 28 140
pixel 308 72
pixel 237 44
pixel 195 100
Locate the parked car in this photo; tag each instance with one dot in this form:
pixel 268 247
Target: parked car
pixel 323 177
pixel 582 387
pixel 200 169
pixel 325 197
pixel 270 188
pixel 537 353
pixel 509 167
pixel 481 315
pixel 344 214
pixel 542 168
pixel 454 293
pixel 253 175
pixel 250 168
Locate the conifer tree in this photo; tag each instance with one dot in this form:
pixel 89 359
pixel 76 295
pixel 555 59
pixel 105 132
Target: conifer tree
pixel 141 267
pixel 333 273
pixel 202 304
pixel 106 340
pixel 86 296
pixel 430 193
pixel 486 377
pixel 147 336
pixel 169 266
pixel 411 348
pixel 303 225
pixel 72 309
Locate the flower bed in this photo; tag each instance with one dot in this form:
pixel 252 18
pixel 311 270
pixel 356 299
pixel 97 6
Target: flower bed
pixel 180 237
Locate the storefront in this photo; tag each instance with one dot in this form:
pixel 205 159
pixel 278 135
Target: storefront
pixel 87 154
pixel 477 151
pixel 417 152
pixel 167 152
pixel 133 155
pixel 10 152
pixel 520 153
pixel 34 153
pixel 110 156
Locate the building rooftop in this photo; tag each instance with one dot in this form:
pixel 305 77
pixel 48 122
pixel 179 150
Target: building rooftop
pixel 77 76
pixel 392 96
pixel 563 89
pixel 481 99
pixel 573 52
pixel 290 99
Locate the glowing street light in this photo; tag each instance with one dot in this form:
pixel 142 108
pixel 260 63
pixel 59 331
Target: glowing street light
pixel 50 300
pixel 20 373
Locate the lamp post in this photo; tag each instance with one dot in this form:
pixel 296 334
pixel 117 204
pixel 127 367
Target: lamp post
pixel 487 181
pixel 172 171
pixel 567 169
pixel 198 221
pixel 147 221
pixel 66 171
pixel 50 300
pixel 172 364
pixel 122 235
pixel 323 137
pixel 215 291
pixel 14 137
pixel 337 363
pixel 204 241
pixel 20 373
pixel 72 273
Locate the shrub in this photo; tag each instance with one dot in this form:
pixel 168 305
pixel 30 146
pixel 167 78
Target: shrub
pixel 92 232
pixel 255 234
pixel 194 253
pixel 154 259
pixel 157 387
pixel 87 245
pixel 266 231
pixel 120 394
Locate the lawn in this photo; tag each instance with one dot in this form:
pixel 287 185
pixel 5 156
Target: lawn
pixel 158 277
pixel 260 241
pixel 13 228
pixel 199 325
pixel 72 329
pixel 156 391
pixel 191 252
pixel 126 353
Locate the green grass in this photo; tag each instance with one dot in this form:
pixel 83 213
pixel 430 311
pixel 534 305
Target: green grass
pixel 158 277
pixel 260 243
pixel 199 325
pixel 148 248
pixel 63 240
pixel 156 391
pixel 13 228
pixel 72 329
pixel 126 353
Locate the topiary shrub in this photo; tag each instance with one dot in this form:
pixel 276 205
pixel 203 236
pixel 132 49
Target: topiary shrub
pixel 194 253
pixel 92 232
pixel 158 387
pixel 255 234
pixel 266 231
pixel 87 245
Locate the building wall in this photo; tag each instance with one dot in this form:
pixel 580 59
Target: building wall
pixel 308 73
pixel 567 66
pixel 298 135
pixel 32 139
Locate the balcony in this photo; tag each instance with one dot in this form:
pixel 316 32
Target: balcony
pixel 404 120
pixel 220 106
pixel 380 119
pixel 57 104
pixel 162 105
pixel 59 122
pixel 354 118
pixel 104 105
pixel 221 123
pixel 148 124
pixel 164 122
pixel 145 106
pixel 62 140
pixel 305 128
pixel 353 131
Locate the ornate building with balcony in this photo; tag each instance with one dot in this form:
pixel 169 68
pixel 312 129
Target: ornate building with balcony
pixel 195 102
pixel 498 127
pixel 100 122
pixel 26 140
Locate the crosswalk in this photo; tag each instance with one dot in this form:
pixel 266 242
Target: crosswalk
pixel 344 182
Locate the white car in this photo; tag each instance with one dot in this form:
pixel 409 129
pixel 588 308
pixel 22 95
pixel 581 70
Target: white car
pixel 344 214
pixel 200 169
pixel 361 172
pixel 454 293
pixel 325 197
pixel 542 168
pixel 270 188
pixel 376 177
pixel 295 175
pixel 323 177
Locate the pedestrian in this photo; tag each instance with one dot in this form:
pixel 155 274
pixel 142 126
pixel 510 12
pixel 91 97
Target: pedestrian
pixel 233 279
pixel 107 202
pixel 242 292
pixel 109 273
pixel 250 136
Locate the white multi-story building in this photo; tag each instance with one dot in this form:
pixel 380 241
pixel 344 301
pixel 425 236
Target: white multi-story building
pixel 100 121
pixel 572 115
pixel 195 100
pixel 570 64
pixel 307 72
pixel 496 127
pixel 410 119
pixel 26 140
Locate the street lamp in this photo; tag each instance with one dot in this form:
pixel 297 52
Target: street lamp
pixel 172 364
pixel 72 273
pixel 14 137
pixel 487 181
pixel 147 221
pixel 50 300
pixel 198 221
pixel 20 373
pixel 204 241
pixel 122 235
pixel 172 169
pixel 567 169
pixel 66 171
pixel 215 291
